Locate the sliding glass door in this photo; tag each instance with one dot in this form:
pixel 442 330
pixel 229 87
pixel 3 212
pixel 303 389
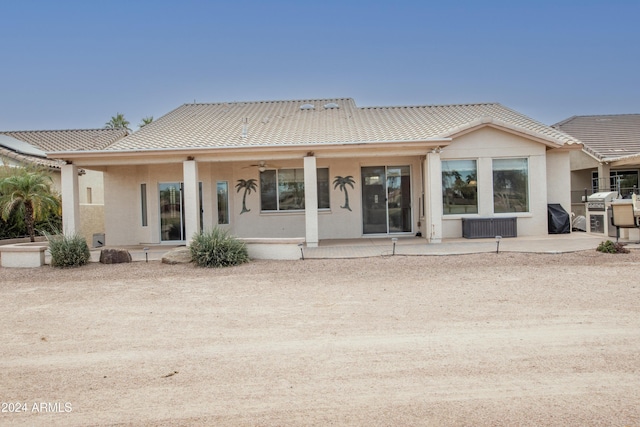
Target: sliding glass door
pixel 386 199
pixel 171 212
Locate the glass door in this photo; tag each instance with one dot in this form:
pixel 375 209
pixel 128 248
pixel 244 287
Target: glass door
pixel 386 199
pixel 399 199
pixel 171 212
pixel 374 200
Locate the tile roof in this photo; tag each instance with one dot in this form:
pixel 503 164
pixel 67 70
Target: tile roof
pixel 319 121
pixel 27 159
pixel 68 140
pixel 24 153
pixel 606 137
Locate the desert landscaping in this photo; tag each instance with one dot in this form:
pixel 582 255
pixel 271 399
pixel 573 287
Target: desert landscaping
pixel 485 339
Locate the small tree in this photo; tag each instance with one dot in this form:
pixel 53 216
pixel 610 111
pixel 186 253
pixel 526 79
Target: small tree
pixel 117 122
pixel 29 194
pixel 145 121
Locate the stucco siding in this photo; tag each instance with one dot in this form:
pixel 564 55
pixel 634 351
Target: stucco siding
pixel 92 180
pixel 121 209
pixel 581 160
pixel 581 180
pixel 559 178
pixel 487 144
pixel 91 221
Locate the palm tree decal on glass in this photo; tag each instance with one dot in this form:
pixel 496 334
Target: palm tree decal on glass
pixel 248 185
pixel 342 183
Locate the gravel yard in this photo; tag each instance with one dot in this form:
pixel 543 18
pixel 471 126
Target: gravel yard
pixel 486 339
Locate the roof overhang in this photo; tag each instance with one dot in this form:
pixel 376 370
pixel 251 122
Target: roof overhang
pixel 631 160
pixel 256 152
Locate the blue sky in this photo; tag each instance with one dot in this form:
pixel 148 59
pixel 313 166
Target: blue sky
pixel 74 64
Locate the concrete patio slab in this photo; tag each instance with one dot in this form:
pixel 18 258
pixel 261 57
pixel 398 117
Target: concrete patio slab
pixel 415 246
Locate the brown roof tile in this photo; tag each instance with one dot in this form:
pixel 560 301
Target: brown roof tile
pixel 605 136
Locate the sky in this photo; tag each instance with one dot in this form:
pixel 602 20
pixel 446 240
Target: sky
pixel 73 64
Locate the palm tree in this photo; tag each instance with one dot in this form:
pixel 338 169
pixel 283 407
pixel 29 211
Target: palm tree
pixel 342 183
pixel 117 122
pixel 27 192
pixel 248 185
pixel 145 121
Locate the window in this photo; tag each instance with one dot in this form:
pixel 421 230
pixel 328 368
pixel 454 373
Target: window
pixel 143 203
pixel 510 185
pixel 223 202
pixel 89 196
pixel 283 189
pixel 459 186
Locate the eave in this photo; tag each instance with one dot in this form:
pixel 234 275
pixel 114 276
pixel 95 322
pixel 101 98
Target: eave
pixel 631 160
pixel 255 152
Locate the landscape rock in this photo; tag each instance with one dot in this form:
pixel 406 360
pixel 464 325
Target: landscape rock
pixel 114 256
pixel 181 255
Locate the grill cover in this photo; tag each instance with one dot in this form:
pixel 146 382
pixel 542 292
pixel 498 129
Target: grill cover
pixel 559 220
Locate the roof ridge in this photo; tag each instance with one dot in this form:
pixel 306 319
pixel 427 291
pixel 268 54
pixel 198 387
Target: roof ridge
pixel 273 101
pixel 430 105
pixel 58 130
pixel 608 115
pixel 565 121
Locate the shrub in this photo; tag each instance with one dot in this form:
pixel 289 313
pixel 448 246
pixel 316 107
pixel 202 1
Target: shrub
pixel 216 248
pixel 610 247
pixel 68 251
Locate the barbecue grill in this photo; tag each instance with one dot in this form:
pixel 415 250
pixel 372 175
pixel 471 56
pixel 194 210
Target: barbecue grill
pixel 599 213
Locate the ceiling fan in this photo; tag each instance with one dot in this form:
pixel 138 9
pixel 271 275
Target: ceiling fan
pixel 262 166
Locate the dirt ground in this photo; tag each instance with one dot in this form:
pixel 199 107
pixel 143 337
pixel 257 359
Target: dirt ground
pixel 488 339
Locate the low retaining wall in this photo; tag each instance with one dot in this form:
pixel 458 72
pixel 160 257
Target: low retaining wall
pixel 274 248
pixel 21 240
pixel 23 255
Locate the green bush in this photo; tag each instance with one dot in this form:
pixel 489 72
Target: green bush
pixel 216 248
pixel 610 247
pixel 68 251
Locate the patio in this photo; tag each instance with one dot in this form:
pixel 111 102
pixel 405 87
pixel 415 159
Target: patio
pixel 414 246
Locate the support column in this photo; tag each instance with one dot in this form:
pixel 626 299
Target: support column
pixel 70 200
pixel 604 173
pixel 311 201
pixel 433 197
pixel 191 199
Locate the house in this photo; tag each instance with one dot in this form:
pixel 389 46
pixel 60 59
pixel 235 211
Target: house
pixel 28 148
pixel 324 169
pixel 14 152
pixel 610 157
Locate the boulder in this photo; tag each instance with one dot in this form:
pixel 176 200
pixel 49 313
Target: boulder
pixel 181 255
pixel 114 256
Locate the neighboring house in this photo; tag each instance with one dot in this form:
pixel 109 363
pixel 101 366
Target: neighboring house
pixel 22 148
pixel 610 157
pixel 14 152
pixel 325 169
